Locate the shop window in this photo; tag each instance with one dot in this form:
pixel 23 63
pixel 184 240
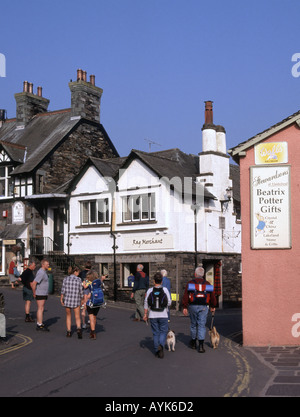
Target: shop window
pixel 103 269
pixel 139 207
pixel 129 269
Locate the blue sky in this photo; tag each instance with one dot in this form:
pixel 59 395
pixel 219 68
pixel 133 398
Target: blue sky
pixel 157 62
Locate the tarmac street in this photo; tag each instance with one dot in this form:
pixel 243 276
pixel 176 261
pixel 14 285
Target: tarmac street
pixel 120 363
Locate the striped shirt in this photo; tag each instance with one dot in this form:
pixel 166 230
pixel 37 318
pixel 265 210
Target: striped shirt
pixel 72 291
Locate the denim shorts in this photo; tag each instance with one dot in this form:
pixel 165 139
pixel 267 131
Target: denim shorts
pixel 27 294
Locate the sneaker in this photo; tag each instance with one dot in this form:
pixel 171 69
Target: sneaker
pixel 79 333
pixel 42 328
pixel 29 319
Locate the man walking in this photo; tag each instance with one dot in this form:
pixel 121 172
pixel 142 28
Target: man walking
pixel 141 285
pixel 157 301
pixel 196 304
pixel 40 288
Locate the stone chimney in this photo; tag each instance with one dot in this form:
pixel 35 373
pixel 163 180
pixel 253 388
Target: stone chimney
pixel 29 104
pixel 85 97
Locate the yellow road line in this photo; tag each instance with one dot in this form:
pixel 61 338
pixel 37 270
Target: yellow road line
pixel 25 341
pixel 241 384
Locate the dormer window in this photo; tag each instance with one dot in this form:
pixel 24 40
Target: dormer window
pixel 23 186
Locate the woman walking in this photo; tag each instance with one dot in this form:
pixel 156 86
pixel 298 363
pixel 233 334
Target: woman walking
pixel 93 310
pixel 71 298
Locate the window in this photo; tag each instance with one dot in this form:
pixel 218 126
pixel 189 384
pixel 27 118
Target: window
pixel 94 212
pixel 139 208
pixel 6 188
pixel 23 186
pixel 222 223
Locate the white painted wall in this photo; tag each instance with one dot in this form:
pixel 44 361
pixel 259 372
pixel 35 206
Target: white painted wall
pixel 173 218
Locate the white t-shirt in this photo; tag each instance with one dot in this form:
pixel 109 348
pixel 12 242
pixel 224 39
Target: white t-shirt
pixel 157 314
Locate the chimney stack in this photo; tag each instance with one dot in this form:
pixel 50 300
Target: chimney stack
pixel 208 113
pixel 29 104
pixel 213 137
pixel 85 97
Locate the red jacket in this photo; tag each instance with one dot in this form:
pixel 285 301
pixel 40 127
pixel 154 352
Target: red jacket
pixel 210 300
pixel 11 267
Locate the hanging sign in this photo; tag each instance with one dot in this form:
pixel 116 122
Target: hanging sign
pixel 271 153
pixel 270 207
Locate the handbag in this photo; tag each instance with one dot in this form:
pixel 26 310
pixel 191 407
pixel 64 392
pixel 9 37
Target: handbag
pixel 16 272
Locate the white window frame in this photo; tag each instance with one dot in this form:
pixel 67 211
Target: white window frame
pixel 7 182
pixel 138 208
pixel 92 213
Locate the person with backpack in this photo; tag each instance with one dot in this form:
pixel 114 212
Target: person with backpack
pixel 95 299
pixel 82 275
pixel 141 285
pixel 196 303
pixel 156 305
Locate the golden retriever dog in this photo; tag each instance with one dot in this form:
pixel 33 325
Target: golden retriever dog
pixel 214 337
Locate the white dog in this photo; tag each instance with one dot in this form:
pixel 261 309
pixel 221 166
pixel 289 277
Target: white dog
pixel 171 341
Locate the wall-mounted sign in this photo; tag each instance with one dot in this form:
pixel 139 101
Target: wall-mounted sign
pixel 145 242
pixel 271 153
pixel 18 212
pixel 270 207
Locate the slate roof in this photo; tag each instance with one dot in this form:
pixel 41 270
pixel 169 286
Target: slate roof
pixel 169 164
pixel 30 146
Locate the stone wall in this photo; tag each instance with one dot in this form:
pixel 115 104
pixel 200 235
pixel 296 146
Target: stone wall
pixel 67 160
pixel 180 267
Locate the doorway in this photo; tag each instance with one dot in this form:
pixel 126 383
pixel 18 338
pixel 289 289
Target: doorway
pixel 58 232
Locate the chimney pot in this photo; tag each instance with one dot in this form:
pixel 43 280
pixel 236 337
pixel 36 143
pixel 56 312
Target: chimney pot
pixel 209 112
pixel 39 91
pixel 92 79
pixel 84 75
pixel 25 87
pixel 30 88
pixel 79 74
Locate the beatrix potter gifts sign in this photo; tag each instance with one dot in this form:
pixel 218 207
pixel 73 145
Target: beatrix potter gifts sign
pixel 270 207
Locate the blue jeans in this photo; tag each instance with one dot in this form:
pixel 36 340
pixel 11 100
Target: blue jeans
pixel 198 316
pixel 160 329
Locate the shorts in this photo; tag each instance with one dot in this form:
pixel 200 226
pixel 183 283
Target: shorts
pixel 27 294
pixel 41 297
pixel 93 311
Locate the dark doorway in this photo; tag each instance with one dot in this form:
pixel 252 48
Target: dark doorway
pixel 58 229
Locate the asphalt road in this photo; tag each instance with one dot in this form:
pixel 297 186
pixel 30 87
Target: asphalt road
pixel 120 363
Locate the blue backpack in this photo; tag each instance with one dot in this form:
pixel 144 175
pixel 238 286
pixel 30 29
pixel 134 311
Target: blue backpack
pixel 97 295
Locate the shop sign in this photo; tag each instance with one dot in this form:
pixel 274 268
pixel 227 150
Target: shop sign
pixel 271 153
pixel 270 207
pixel 146 242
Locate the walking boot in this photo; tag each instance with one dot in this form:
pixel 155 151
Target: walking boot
pixel 201 347
pixel 93 335
pixel 192 344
